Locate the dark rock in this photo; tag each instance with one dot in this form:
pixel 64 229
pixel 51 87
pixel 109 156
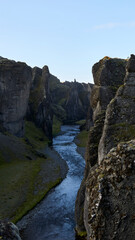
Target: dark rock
pixel 120 116
pixel 39 109
pixel 9 231
pixel 70 100
pixel 15 80
pixel 131 64
pixel 108 76
pixel 110 190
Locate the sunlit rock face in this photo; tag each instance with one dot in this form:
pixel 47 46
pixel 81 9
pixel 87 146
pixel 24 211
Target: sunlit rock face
pixel 109 198
pixel 108 75
pixel 110 190
pixel 120 115
pixel 15 80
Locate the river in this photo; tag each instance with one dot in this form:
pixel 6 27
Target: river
pixel 53 217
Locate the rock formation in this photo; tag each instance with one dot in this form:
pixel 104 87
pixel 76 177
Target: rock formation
pixel 15 81
pixel 9 231
pixel 109 209
pixel 108 75
pixel 120 116
pixel 29 98
pixel 70 100
pixel 39 108
pixel 77 102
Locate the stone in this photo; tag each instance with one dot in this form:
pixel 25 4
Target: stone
pixel 108 75
pixel 109 205
pixel 39 107
pixel 9 231
pixel 120 116
pixel 70 100
pixel 15 81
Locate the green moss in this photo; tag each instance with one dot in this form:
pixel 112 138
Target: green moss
pixel 81 235
pixel 83 138
pixel 23 187
pixel 81 122
pixel 35 136
pixel 62 102
pixel 56 126
pixel 122 131
pixel 25 176
pixel 2 159
pixel 59 112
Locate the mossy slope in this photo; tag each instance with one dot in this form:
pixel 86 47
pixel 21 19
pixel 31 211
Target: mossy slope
pixel 26 174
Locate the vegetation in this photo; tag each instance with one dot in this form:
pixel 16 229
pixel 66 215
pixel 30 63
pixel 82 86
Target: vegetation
pixel 122 131
pixel 81 122
pixel 25 176
pixel 56 126
pixel 35 136
pixel 82 138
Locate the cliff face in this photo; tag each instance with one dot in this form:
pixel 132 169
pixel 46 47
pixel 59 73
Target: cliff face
pixel 120 116
pixel 109 197
pixel 39 108
pixel 70 99
pixel 22 90
pixel 109 180
pixel 108 76
pixel 15 81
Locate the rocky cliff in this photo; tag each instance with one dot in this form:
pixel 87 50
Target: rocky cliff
pixel 120 116
pixel 29 98
pixel 15 81
pixel 9 231
pixel 39 107
pixel 70 100
pixel 109 208
pixel 108 77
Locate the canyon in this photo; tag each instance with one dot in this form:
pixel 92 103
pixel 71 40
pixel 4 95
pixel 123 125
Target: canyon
pixel 34 104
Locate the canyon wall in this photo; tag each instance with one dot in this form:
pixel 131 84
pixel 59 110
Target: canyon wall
pixel 70 100
pixel 108 76
pixel 15 82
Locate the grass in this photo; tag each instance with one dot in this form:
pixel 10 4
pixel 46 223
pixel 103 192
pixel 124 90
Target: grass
pixel 35 136
pixel 56 126
pixel 25 177
pixel 81 122
pixel 82 138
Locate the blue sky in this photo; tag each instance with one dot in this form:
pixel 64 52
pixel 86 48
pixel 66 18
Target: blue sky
pixel 67 35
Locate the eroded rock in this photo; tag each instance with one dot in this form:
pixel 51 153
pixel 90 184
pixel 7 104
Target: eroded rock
pixel 120 115
pixel 39 108
pixel 108 75
pixel 109 197
pixel 9 231
pixel 15 80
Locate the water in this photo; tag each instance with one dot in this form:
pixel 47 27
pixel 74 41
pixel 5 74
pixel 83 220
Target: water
pixel 53 218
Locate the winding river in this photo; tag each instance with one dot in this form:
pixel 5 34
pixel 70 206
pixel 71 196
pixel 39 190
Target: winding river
pixel 53 217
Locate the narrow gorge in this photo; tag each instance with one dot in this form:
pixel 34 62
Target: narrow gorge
pixel 39 131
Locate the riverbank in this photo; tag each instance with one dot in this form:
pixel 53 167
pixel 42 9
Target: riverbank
pixel 27 173
pixel 53 217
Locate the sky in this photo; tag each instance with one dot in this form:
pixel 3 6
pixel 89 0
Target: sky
pixel 69 36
